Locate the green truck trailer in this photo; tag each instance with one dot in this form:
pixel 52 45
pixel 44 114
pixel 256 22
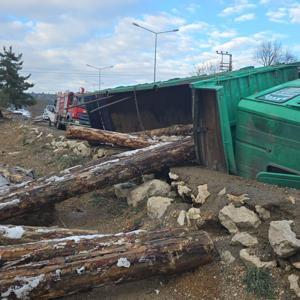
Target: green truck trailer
pixel 237 128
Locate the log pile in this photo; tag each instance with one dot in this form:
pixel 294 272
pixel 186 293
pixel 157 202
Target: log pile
pixel 46 263
pixel 58 267
pixel 110 137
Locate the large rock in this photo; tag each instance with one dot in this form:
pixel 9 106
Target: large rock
pixel 244 239
pixel 148 189
pixel 254 261
pixel 233 218
pixel 282 239
pixel 157 206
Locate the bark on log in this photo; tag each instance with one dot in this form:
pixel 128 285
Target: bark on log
pixel 12 234
pixel 118 168
pixel 111 137
pixel 55 268
pixel 178 129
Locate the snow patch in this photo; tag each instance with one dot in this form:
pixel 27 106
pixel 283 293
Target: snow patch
pixel 55 179
pixel 10 203
pixel 80 271
pixel 133 152
pixel 123 262
pixel 23 289
pixel 15 232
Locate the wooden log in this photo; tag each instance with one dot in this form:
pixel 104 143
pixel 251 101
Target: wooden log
pixel 179 129
pixel 55 268
pixel 111 137
pixel 119 168
pixel 12 234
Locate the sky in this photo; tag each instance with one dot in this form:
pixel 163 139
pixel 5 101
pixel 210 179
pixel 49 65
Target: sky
pixel 58 38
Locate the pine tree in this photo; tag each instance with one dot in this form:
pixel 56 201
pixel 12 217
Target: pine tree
pixel 12 84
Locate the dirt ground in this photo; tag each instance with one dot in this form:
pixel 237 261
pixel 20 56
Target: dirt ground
pixel 102 211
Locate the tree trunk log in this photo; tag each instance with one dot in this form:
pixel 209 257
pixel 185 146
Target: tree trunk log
pixel 55 268
pixel 179 129
pixel 80 180
pixel 12 234
pixel 111 137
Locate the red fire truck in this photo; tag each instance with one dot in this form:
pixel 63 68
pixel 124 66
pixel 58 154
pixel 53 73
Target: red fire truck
pixel 69 108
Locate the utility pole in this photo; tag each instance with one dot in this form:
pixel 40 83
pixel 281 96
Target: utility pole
pixel 99 72
pixel 225 66
pixel 155 43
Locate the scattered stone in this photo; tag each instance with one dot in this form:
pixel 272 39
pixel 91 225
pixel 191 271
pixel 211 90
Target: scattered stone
pixel 238 199
pixel 49 135
pixel 291 199
pixel 295 260
pixel 244 239
pixel 222 192
pixel 193 213
pixel 148 177
pixel 282 239
pixel 263 213
pixel 100 153
pixel 203 194
pixel 227 258
pixel 183 190
pixel 294 286
pixel 173 176
pixel 181 218
pixel 40 134
pixel 122 190
pixel 83 150
pixel 148 189
pixel 157 206
pixel 253 260
pixel 232 218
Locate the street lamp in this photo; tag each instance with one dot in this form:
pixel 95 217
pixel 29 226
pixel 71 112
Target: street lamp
pixel 155 45
pixel 99 70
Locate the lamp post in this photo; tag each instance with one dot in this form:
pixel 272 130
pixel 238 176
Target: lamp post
pixel 99 70
pixel 155 43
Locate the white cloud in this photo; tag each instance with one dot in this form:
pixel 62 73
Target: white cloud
pixel 246 17
pixel 193 7
pixel 238 7
pixel 279 15
pixel 215 34
pixel 294 13
pixel 264 1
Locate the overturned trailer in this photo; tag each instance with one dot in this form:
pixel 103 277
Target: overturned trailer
pixel 213 105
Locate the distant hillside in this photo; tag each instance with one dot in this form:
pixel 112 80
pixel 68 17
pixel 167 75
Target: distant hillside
pixel 43 99
pixel 49 98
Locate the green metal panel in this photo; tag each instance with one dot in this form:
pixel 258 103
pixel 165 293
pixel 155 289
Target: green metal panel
pixel 292 181
pixel 268 131
pixel 231 88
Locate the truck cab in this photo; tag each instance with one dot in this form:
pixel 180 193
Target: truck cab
pixel 267 141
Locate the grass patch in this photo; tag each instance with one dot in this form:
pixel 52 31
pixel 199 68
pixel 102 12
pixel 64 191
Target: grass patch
pixel 260 283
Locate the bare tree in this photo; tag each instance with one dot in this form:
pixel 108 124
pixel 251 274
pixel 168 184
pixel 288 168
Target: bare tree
pixel 268 53
pixel 207 68
pixel 288 57
pixel 271 53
